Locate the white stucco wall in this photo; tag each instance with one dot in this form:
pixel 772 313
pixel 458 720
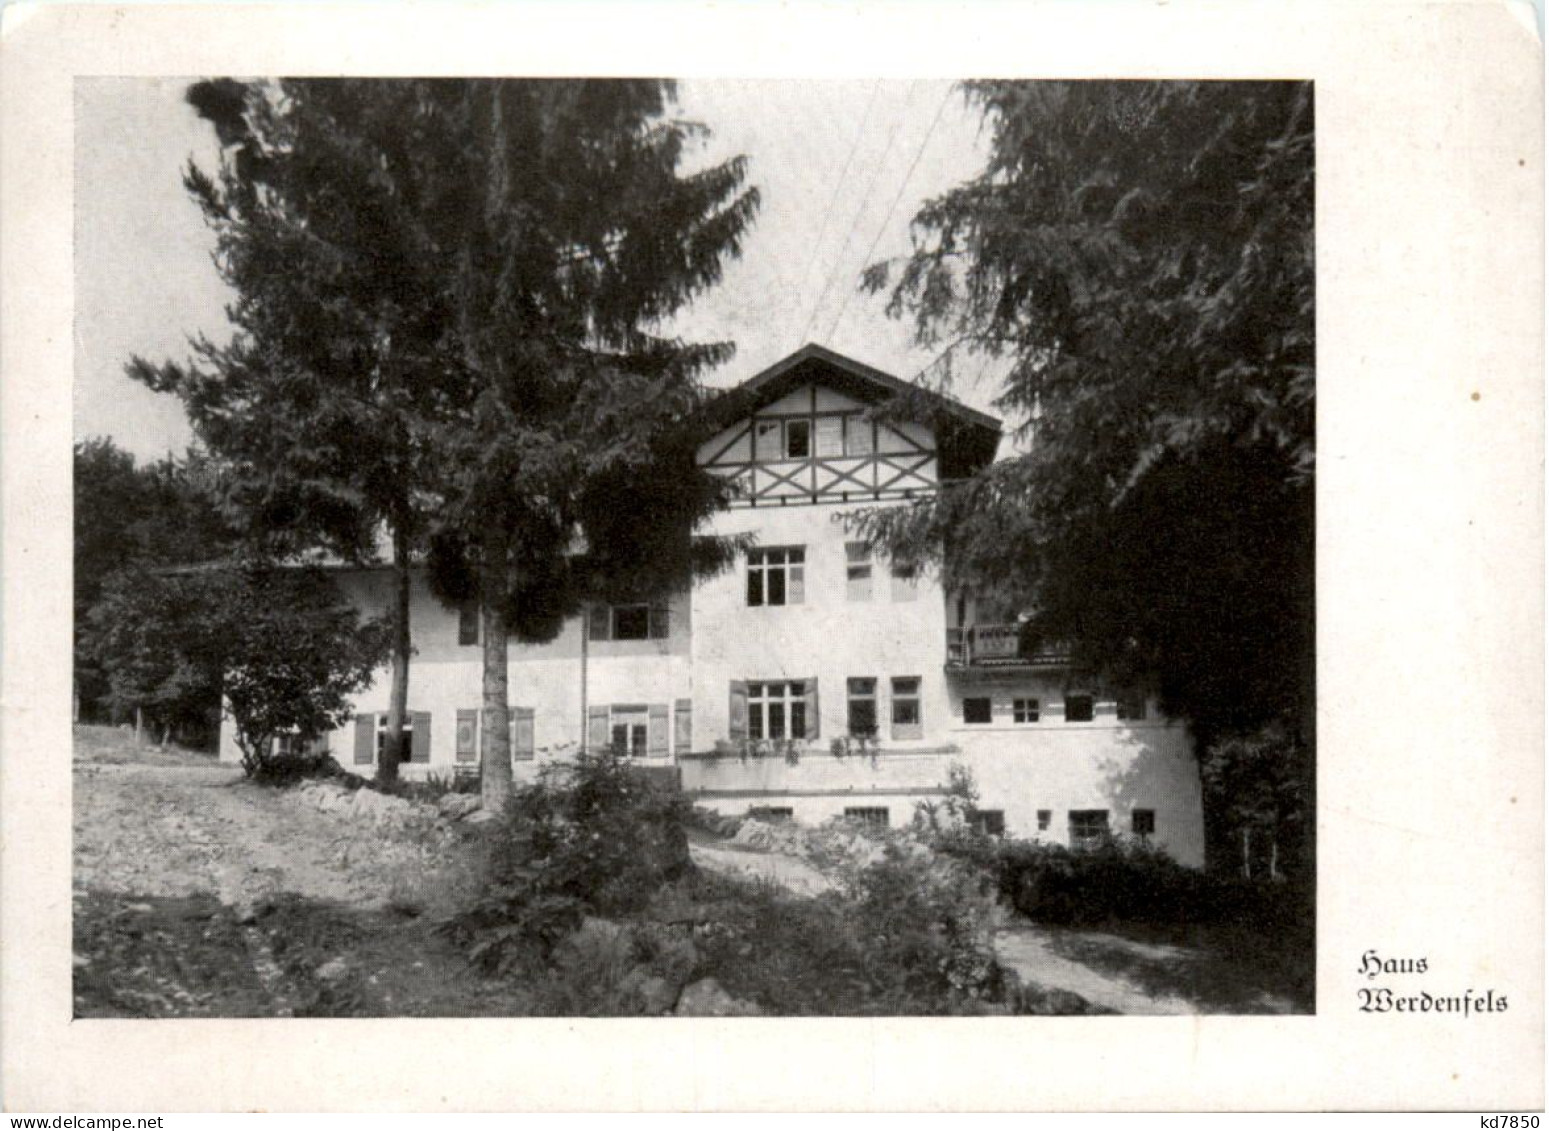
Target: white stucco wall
pixel 445 677
pixel 827 636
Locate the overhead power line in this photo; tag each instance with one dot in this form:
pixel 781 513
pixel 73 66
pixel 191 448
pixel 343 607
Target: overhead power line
pixel 865 199
pixel 899 195
pixel 828 210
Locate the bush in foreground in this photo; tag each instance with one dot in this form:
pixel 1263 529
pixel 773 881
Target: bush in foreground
pixel 589 837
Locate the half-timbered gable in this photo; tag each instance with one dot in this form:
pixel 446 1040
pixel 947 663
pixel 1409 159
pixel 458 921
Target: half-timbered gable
pixel 819 427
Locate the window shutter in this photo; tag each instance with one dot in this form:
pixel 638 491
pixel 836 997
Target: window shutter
pixel 683 726
pixel 365 739
pixel 812 707
pixel 523 747
pixel 597 729
pixel 599 621
pixel 420 744
pixel 658 620
pixel 467 735
pixel 656 736
pixel 737 725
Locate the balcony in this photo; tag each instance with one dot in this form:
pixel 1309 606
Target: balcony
pixel 997 646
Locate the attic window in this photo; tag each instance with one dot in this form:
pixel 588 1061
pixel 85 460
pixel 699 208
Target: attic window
pixel 798 439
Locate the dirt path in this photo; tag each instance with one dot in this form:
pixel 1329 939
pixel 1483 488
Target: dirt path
pixel 200 894
pixel 789 872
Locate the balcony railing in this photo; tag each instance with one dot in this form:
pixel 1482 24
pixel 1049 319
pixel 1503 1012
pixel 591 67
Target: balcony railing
pixel 996 645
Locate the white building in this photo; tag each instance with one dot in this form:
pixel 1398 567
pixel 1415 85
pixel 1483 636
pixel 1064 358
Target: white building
pixel 760 684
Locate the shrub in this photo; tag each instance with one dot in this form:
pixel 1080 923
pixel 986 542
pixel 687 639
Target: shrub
pixel 926 926
pixel 592 835
pixel 1117 880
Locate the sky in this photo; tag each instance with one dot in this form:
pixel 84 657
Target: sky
pixel 841 166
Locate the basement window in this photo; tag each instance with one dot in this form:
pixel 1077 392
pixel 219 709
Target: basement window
pixel 978 709
pixel 1078 708
pixel 771 813
pixel 992 822
pixel 867 815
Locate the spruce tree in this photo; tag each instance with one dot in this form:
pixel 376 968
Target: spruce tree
pixel 320 402
pixel 569 234
pixel 1138 258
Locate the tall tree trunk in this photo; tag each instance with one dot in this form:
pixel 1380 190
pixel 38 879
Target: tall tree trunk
pixel 495 737
pixel 398 699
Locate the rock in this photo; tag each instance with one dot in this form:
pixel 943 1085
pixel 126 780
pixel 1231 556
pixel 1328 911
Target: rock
pixel 142 908
pixel 479 817
pixel 333 970
pixel 654 994
pixel 706 998
pixel 457 805
pixel 671 950
pixel 81 960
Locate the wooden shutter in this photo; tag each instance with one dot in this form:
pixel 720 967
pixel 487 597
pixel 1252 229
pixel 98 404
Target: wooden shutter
pixel 656 733
pixel 683 726
pixel 599 621
pixel 597 729
pixel 658 620
pixel 365 739
pixel 523 746
pixel 812 707
pixel 737 717
pixel 420 743
pixel 467 735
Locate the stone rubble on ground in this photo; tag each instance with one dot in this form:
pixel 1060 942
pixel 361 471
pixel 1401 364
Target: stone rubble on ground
pixel 366 804
pixel 706 998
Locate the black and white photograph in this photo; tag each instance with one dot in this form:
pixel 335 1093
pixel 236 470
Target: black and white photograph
pixel 599 547
pixel 661 556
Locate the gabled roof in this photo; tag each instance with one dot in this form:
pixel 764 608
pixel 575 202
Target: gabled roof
pixel 790 372
pixel 967 437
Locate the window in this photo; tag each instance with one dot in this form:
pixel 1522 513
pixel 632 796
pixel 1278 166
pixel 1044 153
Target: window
pixel 798 439
pixel 1043 820
pixel 858 440
pixel 989 821
pixel 1131 706
pixel 1088 827
pixel 771 813
pixel 857 571
pixel 630 731
pixel 906 707
pixel 867 815
pixel 861 713
pixel 777 710
pixel 1078 708
pixel 1024 710
pixel 1143 822
pixel 628 622
pixel 631 622
pixel 776 576
pixel 406 750
pixel 978 709
pixel 468 623
pixel 906 584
